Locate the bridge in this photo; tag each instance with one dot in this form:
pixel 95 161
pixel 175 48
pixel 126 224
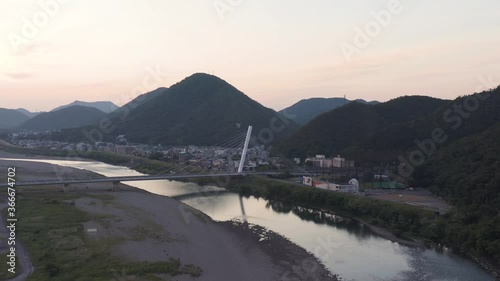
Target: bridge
pixel 144 178
pixel 141 178
pixel 116 180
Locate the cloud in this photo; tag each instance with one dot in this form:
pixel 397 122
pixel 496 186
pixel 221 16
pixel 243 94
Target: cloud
pixel 18 75
pixel 32 49
pixel 26 50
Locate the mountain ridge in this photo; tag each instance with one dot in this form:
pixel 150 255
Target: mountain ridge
pixel 200 109
pixel 27 112
pixel 69 117
pixel 105 106
pixel 334 131
pixel 11 118
pixel 306 110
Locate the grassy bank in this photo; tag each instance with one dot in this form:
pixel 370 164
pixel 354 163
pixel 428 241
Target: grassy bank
pixel 474 236
pixel 402 220
pixel 51 228
pixel 4 273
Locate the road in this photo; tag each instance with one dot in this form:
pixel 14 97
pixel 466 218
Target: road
pixel 24 265
pixel 140 178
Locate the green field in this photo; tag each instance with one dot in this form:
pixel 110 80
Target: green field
pixel 51 228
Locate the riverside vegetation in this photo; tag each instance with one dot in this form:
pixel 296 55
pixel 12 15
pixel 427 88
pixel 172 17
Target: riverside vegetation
pixel 52 231
pixel 468 233
pixel 463 170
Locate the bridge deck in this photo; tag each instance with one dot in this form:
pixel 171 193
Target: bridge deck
pixel 138 178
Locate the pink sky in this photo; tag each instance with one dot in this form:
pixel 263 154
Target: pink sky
pixel 277 53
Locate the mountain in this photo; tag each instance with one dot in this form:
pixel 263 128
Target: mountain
pixel 123 111
pixel 202 110
pixel 69 117
pixel 305 110
pixel 105 106
pixel 10 118
pixel 146 97
pixel 27 112
pixel 453 117
pixel 450 147
pixel 465 173
pixel 355 123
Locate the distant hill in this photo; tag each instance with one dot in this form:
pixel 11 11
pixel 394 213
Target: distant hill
pixel 27 112
pixel 307 109
pixel 201 109
pixel 123 111
pixel 10 118
pixel 105 106
pixel 69 117
pixel 355 124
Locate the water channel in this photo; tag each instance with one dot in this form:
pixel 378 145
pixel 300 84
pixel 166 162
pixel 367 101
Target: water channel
pixel 354 252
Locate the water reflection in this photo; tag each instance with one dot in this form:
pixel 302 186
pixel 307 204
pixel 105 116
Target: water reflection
pixel 354 252
pixel 243 214
pixel 320 217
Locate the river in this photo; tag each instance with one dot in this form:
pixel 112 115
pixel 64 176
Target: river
pixel 353 251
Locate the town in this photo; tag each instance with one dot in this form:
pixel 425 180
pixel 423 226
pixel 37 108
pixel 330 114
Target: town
pixel 335 173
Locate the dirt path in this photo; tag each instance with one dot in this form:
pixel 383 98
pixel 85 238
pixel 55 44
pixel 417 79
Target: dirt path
pixel 25 267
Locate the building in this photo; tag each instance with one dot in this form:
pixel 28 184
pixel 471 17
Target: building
pixel 82 146
pixel 351 187
pixel 381 178
pixel 340 162
pixel 121 139
pixel 322 162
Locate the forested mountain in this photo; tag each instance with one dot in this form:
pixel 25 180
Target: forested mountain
pixel 459 146
pixel 104 106
pixel 10 118
pixel 307 109
pixel 459 118
pixel 70 117
pixel 124 111
pixel 467 171
pixel 467 174
pixel 356 124
pixel 201 109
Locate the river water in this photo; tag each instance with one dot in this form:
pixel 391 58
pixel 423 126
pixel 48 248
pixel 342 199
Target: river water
pixel 345 246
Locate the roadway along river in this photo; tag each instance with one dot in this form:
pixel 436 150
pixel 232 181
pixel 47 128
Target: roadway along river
pixel 354 252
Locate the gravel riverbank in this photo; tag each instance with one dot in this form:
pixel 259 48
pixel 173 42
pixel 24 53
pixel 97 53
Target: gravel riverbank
pixel 155 228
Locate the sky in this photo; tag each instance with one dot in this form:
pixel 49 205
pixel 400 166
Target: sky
pixel 53 52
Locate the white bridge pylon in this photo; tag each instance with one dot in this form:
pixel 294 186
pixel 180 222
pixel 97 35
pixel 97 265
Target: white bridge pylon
pixel 245 149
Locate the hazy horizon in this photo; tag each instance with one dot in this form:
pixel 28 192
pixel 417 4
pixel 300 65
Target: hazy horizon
pixel 55 52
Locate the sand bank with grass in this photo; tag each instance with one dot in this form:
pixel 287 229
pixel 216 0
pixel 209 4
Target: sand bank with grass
pixel 91 233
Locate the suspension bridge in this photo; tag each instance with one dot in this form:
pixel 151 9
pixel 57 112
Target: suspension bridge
pixel 178 172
